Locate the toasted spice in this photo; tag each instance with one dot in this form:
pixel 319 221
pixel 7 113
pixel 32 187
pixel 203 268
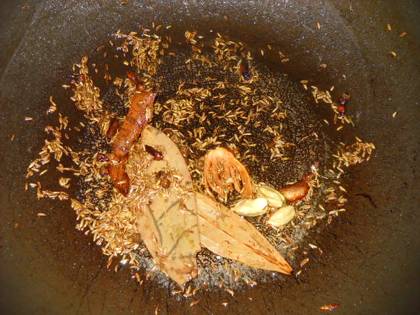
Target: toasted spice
pixel 214 104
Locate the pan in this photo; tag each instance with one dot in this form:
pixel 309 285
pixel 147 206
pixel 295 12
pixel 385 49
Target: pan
pixel 370 260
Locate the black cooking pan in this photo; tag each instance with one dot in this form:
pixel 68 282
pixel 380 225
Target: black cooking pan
pixel 371 254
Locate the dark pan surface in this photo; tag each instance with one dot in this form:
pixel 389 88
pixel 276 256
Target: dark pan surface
pixel 372 253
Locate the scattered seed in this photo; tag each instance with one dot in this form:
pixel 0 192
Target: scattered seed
pixel 304 262
pixel 251 207
pixel 342 188
pixel 53 106
pixel 312 246
pixel 64 182
pixel 194 303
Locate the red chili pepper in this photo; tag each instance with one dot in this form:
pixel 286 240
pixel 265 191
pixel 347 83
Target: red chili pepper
pixel 132 76
pixel 244 70
pixel 344 99
pixel 113 128
pixel 157 155
pixel 329 307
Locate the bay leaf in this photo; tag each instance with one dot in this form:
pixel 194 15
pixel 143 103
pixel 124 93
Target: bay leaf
pixel 168 224
pixel 227 234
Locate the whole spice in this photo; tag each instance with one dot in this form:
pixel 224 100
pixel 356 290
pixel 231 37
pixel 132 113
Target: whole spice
pixel 166 218
pixel 329 307
pixel 298 190
pixel 282 216
pixel 343 102
pixel 138 116
pixel 224 173
pixel 157 155
pixel 251 207
pixel 244 70
pixel 113 128
pixel 236 238
pixel 275 199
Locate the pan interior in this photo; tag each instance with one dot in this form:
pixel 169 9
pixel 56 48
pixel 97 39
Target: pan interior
pixel 53 268
pixel 271 122
pixel 277 79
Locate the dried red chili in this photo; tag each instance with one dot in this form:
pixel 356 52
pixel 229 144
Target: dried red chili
pixel 157 155
pixel 113 128
pixel 244 70
pixel 132 76
pixel 329 307
pixel 343 102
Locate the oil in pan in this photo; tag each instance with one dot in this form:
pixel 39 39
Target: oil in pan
pixel 210 93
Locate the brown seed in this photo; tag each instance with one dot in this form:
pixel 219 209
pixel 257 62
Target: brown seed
pixel 194 303
pixel 304 262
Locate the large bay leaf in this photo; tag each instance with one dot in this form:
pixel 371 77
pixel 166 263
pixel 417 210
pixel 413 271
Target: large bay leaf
pixel 227 234
pixel 174 222
pixel 168 223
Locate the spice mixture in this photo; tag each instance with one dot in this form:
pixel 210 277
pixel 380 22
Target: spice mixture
pixel 211 93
